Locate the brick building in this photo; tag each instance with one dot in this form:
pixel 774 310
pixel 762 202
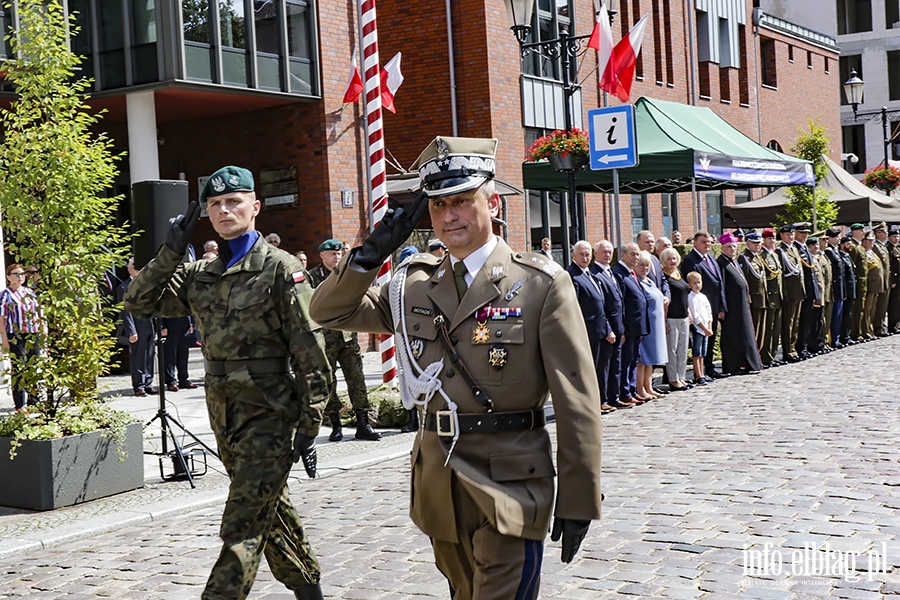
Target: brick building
pixel 190 85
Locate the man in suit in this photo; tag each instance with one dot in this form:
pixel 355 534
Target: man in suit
pixel 699 259
pixel 834 317
pixel 893 247
pixel 775 304
pixel 793 287
pixel 486 334
pixel 812 293
pixel 141 338
pixel 610 352
pixel 591 301
pixel 546 248
pixel 636 319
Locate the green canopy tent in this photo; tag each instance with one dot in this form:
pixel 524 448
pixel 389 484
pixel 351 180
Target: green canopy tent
pixel 683 148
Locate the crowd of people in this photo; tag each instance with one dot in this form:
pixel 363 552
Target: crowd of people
pixel 807 294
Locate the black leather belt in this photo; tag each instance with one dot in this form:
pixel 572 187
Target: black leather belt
pixel 442 422
pixel 255 366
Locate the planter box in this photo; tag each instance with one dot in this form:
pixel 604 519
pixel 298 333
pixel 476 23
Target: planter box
pixel 51 474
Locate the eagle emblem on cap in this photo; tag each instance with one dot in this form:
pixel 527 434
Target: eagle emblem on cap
pixel 443 150
pixel 217 184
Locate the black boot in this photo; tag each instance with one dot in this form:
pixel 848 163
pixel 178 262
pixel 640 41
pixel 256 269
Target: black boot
pixel 412 424
pixel 364 431
pixel 310 592
pixel 336 433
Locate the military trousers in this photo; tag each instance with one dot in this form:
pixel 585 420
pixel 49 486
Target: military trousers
pixel 894 309
pixel 759 316
pixel 832 312
pixel 869 314
pixel 790 326
pixel 771 336
pixel 485 564
pixel 859 316
pixel 254 418
pixel 847 320
pixel 881 310
pixel 346 353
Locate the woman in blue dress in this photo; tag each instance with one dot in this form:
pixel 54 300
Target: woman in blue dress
pixel 653 350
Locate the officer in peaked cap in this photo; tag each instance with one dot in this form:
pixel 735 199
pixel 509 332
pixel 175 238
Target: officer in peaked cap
pixel 880 230
pixel 793 288
pixel 893 246
pixel 267 378
pixel 486 335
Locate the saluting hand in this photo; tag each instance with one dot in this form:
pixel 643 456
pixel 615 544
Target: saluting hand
pixel 181 227
pixel 393 231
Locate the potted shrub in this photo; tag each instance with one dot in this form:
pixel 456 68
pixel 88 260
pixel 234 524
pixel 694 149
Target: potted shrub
pixel 567 150
pixel 884 178
pixel 57 219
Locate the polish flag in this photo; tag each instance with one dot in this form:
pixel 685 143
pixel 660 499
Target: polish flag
pixel 601 39
pixel 619 73
pixel 354 82
pixel 391 78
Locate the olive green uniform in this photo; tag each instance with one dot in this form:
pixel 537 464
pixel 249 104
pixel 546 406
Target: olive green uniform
pixel 755 273
pixel 342 347
pixel 255 324
pixel 772 263
pixel 881 306
pixel 874 288
pixel 894 301
pixel 827 294
pixel 858 256
pixel 794 291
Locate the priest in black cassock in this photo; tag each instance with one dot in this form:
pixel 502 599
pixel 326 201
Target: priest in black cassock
pixel 737 340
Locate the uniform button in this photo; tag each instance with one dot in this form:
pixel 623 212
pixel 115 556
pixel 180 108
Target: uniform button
pixel 499 333
pixel 531 468
pixel 454 340
pixel 519 255
pixel 416 327
pixel 450 372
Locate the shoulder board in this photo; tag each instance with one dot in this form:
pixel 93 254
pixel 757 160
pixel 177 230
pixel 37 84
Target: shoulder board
pixel 422 258
pixel 539 262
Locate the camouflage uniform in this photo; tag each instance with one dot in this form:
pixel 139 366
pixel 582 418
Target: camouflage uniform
pixel 254 321
pixel 343 347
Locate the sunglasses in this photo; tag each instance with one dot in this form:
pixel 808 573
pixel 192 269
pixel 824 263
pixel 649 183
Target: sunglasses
pixel 18 274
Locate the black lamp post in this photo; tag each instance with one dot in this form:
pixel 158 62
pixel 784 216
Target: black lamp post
pixel 565 47
pixel 854 89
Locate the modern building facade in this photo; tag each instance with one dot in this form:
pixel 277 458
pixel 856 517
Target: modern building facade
pixel 191 85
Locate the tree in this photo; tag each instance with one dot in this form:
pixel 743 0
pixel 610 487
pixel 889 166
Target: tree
pixel 55 171
pixel 811 145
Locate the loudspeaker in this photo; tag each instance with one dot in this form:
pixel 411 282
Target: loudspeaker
pixel 153 203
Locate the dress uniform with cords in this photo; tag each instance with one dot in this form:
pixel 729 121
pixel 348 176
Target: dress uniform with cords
pixel 484 336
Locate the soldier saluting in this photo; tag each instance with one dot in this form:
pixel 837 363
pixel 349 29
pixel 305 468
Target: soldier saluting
pixel 484 335
pixel 251 306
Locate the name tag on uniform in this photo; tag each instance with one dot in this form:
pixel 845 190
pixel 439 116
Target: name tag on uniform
pixel 418 310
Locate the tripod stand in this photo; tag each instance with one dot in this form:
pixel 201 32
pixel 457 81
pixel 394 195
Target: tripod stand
pixel 166 421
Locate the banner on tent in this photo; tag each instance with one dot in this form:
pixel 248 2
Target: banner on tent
pixel 752 171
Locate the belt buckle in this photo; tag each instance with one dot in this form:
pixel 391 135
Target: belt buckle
pixel 451 429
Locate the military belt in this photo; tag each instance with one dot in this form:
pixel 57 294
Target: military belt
pixel 523 420
pixel 255 366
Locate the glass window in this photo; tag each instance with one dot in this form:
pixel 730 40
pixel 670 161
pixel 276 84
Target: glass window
pixel 298 30
pixel 741 196
pixel 714 213
pixel 639 217
pixel 854 16
pixel 268 42
pixel 550 18
pixel 769 65
pixel 893 74
pixel 854 142
pixel 112 44
pixel 144 65
pixel 669 213
pixel 195 14
pixel 81 43
pixel 892 14
pixel 231 24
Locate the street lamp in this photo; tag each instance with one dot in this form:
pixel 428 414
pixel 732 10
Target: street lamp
pixel 854 89
pixel 564 47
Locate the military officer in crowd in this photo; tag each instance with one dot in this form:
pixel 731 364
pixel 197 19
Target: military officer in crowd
pixel 884 255
pixel 753 267
pixel 343 347
pixel 893 246
pixel 850 290
pixel 861 275
pixel 267 377
pixel 834 313
pixel 812 293
pixel 794 291
pixel 822 272
pixel 768 352
pixel 483 336
pixel 874 285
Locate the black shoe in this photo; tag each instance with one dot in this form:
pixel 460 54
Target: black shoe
pixel 309 592
pixel 657 390
pixel 412 423
pixel 700 381
pixel 336 433
pixel 364 430
pixel 151 390
pixel 140 393
pixel 719 375
pixel 617 404
pixel 674 388
pixel 793 359
pixel 708 379
pixel 188 385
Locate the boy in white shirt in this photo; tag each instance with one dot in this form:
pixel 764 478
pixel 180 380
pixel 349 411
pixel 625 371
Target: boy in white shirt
pixel 701 317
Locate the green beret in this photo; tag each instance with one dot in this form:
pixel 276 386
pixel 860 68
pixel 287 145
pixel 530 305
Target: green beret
pixel 331 244
pixel 812 240
pixel 857 227
pixel 225 181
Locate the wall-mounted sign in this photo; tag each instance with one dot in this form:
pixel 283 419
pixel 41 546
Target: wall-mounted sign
pixel 278 188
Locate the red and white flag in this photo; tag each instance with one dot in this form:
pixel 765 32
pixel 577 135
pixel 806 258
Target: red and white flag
pixel 391 78
pixel 601 39
pixel 354 82
pixel 619 73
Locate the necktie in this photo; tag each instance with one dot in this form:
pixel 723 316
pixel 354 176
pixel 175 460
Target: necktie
pixel 459 274
pixel 633 274
pixel 594 281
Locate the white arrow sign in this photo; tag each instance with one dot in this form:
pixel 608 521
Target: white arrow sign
pixel 608 158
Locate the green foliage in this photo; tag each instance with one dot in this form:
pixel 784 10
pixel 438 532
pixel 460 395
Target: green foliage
pixel 811 145
pixel 54 175
pixel 559 142
pixel 387 408
pixel 886 179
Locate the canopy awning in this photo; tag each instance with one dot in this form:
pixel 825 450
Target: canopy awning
pixel 679 147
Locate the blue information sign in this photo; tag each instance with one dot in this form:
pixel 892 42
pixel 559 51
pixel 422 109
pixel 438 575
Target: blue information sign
pixel 613 137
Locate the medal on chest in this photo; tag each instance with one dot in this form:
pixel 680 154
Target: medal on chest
pixel 497 356
pixel 481 334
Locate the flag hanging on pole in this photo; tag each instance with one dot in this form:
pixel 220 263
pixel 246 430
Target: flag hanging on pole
pixel 601 39
pixel 391 78
pixel 619 73
pixel 354 82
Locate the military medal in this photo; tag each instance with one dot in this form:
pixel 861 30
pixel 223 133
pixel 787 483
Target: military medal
pixel 514 290
pixel 482 334
pixel 497 356
pixel 417 347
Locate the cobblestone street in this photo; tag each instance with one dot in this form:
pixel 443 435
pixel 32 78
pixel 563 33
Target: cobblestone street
pixel 782 485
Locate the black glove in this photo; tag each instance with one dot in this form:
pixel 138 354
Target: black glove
pixel 180 229
pixel 305 448
pixel 394 229
pixel 572 532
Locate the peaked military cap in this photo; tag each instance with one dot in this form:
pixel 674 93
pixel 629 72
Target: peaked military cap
pixel 803 227
pixel 787 229
pixel 834 232
pixel 753 236
pixel 857 227
pixel 894 230
pixel 225 181
pixel 450 165
pixel 879 226
pixel 846 239
pixel 331 244
pixel 435 243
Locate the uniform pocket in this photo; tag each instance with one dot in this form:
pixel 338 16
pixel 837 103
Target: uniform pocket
pixel 518 467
